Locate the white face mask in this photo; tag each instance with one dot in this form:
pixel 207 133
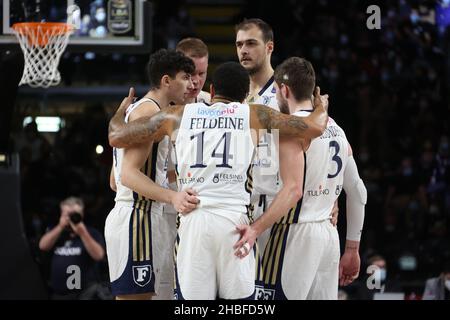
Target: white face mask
pixel 383 274
pixel 447 284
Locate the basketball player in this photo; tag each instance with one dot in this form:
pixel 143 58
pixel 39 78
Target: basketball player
pixel 301 260
pixel 214 148
pixel 134 229
pixel 197 50
pixel 255 44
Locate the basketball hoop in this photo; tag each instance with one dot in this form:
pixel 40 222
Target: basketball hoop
pixel 42 44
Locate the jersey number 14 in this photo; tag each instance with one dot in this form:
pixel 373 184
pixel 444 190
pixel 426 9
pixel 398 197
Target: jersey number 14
pixel 225 156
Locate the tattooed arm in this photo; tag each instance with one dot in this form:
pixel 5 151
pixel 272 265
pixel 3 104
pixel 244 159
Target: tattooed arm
pixel 310 127
pixel 145 129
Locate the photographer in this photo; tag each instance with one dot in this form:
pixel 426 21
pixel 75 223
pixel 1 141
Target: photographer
pixel 75 250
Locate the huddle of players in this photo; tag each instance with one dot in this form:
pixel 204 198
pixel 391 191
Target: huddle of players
pixel 300 245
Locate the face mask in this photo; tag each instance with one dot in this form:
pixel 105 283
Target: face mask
pixel 447 284
pixel 383 274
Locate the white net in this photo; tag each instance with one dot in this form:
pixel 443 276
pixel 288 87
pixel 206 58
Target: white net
pixel 42 45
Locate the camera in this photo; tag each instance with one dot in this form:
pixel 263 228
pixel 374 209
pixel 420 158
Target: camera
pixel 75 217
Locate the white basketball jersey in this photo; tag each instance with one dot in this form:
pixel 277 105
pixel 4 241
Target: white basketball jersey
pixel 325 162
pixel 213 151
pixel 266 163
pixel 155 168
pixel 203 97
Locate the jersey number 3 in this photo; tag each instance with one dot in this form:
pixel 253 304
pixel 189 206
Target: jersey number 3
pixel 335 158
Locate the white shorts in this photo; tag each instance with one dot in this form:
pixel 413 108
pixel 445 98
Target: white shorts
pixel 206 267
pixel 168 223
pixel 302 262
pixel 135 252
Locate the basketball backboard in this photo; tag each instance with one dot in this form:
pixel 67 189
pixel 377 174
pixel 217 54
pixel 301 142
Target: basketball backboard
pixel 104 25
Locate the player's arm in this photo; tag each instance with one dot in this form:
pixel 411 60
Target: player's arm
pixel 132 177
pixel 145 129
pixel 310 127
pixel 134 159
pixel 112 180
pixel 335 213
pixel 292 163
pixel 356 200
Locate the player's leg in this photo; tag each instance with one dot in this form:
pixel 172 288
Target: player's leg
pixel 236 276
pixel 129 249
pixel 302 259
pixel 325 284
pixel 166 239
pixel 273 262
pixel 195 265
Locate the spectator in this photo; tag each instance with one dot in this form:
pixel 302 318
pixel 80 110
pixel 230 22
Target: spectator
pixel 377 280
pixel 75 250
pixel 438 288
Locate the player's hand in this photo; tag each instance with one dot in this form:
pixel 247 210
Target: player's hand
pixel 334 214
pixel 245 244
pixel 320 101
pixel 349 267
pixel 125 103
pixel 185 201
pixel 324 99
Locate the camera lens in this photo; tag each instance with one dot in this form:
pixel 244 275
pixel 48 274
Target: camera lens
pixel 75 217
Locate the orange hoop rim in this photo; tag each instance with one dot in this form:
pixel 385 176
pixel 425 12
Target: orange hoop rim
pixel 37 32
pixel 61 27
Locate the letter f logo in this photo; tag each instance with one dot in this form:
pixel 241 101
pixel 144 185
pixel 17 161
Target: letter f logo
pixel 142 275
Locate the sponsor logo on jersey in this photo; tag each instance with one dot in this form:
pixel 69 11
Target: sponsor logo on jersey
pixel 319 192
pixel 142 274
pixel 210 112
pixel 191 180
pixel 228 178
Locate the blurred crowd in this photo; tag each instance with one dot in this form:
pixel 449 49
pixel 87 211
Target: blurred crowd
pixel 388 89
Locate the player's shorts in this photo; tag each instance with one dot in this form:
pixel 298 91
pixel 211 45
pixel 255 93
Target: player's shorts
pixel 301 262
pixel 260 204
pixel 206 267
pixel 167 240
pixel 134 256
